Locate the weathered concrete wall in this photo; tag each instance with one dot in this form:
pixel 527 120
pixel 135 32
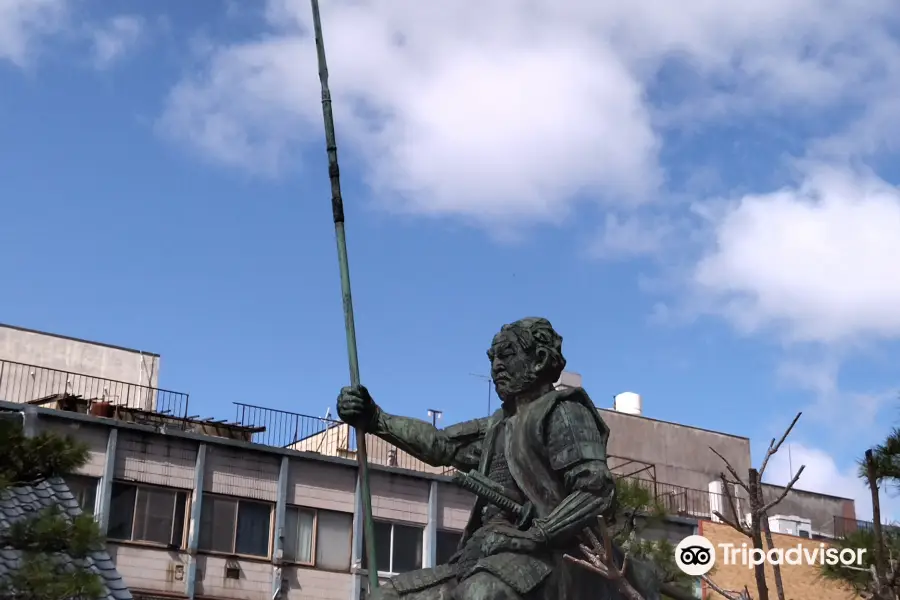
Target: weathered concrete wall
pixel 35 365
pixel 680 453
pixel 818 508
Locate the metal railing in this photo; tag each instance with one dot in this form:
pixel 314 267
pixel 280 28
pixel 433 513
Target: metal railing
pixel 22 383
pixel 683 501
pixel 328 437
pixel 844 526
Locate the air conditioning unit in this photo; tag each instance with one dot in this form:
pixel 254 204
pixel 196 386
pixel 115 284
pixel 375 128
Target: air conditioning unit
pixel 790 525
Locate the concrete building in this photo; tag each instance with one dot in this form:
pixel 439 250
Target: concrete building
pixel 269 504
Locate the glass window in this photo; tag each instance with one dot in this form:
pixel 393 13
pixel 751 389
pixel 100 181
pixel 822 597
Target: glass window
pixel 143 513
pixel 446 546
pixel 333 540
pixel 398 547
pixel 85 491
pixel 235 526
pixel 318 537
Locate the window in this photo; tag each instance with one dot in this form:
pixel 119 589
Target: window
pixel 318 537
pixel 85 491
pixel 235 526
pixel 398 548
pixel 142 513
pixel 447 543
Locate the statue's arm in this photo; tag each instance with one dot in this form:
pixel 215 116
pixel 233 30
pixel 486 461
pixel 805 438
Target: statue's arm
pixel 577 450
pixel 456 446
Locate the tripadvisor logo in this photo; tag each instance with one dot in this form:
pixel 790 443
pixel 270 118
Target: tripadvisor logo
pixel 695 555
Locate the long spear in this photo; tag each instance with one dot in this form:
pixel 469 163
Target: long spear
pixel 337 209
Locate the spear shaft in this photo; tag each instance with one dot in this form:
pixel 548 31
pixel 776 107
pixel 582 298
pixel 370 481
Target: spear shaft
pixel 337 209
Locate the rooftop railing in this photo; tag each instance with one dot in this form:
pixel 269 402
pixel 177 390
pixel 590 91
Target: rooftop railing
pixel 23 383
pixel 844 526
pixel 330 437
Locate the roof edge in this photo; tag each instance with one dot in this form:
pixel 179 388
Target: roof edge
pixel 75 339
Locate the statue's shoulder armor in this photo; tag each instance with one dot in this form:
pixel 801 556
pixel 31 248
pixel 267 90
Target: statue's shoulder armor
pixel 573 429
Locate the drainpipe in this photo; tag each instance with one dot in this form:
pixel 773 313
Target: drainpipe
pixel 429 548
pixel 280 510
pixel 357 580
pixel 190 583
pixel 104 496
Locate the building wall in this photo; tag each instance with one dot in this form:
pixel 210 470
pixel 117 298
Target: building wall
pixel 820 509
pixel 801 582
pixel 681 454
pixel 173 467
pixel 35 365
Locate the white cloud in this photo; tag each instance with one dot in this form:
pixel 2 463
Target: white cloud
pixel 23 23
pixel 115 38
pixel 822 475
pixel 515 110
pixel 816 261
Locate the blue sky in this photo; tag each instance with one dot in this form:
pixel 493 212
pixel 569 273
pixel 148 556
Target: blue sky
pixel 701 200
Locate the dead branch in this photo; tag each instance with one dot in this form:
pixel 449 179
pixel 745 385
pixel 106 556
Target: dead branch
pixel 742 595
pixel 787 488
pixel 773 446
pixel 737 479
pixel 599 558
pixel 737 524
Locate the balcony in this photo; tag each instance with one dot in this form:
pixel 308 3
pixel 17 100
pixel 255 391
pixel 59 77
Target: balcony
pixel 65 390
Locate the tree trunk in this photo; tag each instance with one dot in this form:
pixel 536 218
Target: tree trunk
pixel 762 590
pixel 776 569
pixel 880 566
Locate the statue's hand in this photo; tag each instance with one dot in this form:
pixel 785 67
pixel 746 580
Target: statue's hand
pixel 356 407
pixel 512 540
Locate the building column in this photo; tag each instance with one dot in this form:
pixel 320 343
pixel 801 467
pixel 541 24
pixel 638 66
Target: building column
pixel 429 545
pixel 356 580
pixel 190 583
pixel 104 489
pixel 280 510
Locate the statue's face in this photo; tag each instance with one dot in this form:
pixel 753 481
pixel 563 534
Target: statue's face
pixel 513 370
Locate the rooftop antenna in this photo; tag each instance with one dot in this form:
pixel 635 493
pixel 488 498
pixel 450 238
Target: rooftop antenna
pixel 790 462
pixel 489 381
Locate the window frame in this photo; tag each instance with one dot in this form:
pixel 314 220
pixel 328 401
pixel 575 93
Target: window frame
pixel 87 480
pixel 439 531
pixel 315 538
pixel 237 500
pixel 176 544
pixel 391 573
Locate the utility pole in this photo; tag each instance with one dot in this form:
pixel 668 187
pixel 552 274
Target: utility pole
pixel 490 384
pixel 435 415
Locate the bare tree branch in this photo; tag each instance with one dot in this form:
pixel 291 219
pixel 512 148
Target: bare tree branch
pixel 787 488
pixel 773 446
pixel 599 558
pixel 737 478
pixel 736 524
pixel 737 527
pixel 742 595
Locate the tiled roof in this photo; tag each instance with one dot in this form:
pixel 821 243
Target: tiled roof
pixel 16 503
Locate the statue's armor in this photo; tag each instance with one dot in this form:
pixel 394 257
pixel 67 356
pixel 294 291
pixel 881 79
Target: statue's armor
pixel 498 472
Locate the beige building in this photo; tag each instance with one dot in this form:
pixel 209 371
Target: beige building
pixel 268 506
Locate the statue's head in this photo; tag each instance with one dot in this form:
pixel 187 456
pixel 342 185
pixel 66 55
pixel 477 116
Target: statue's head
pixel 525 356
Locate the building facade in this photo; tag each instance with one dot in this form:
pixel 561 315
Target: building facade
pixel 268 505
